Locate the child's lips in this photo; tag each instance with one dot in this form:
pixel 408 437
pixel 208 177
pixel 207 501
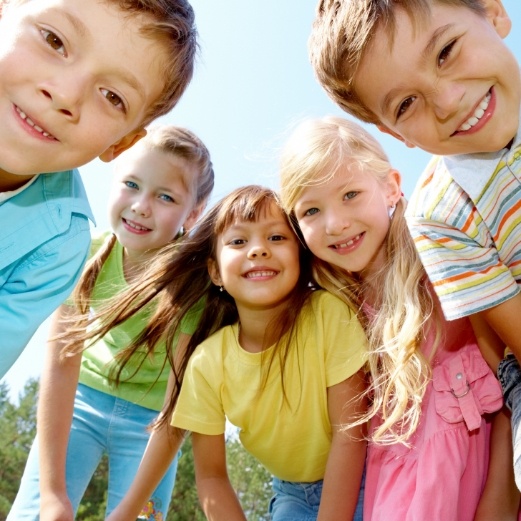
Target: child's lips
pixel 33 124
pixel 260 273
pixel 135 226
pixel 477 115
pixel 347 243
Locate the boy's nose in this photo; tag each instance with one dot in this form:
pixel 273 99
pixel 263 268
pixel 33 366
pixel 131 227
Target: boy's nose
pixel 446 99
pixel 65 95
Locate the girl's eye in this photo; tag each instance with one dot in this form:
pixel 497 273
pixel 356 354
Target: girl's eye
pixel 166 198
pixel 237 242
pixel 350 195
pixel 404 106
pixel 445 53
pixel 53 41
pixel 277 237
pixel 311 211
pixel 114 99
pixel 131 184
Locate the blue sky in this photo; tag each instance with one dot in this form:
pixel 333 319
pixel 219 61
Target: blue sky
pixel 253 82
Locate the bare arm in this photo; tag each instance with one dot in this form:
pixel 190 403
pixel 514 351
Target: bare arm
pixel 490 344
pixel 346 459
pixel 504 319
pixel 55 408
pixel 216 495
pixel 500 498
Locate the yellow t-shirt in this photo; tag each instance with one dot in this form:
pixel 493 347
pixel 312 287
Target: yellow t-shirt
pixel 292 441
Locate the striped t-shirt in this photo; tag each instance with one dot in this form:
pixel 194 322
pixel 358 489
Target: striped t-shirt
pixel 465 218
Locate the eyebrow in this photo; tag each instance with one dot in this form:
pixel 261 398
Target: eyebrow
pixel 83 31
pixel 427 51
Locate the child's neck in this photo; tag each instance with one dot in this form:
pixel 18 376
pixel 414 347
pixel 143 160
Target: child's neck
pixel 134 264
pixel 254 330
pixel 10 182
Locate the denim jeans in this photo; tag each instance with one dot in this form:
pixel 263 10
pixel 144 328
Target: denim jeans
pixel 294 501
pixel 509 376
pixel 102 424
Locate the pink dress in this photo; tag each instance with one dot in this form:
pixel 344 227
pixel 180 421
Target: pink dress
pixel 442 474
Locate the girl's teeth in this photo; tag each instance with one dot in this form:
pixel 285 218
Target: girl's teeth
pixel 478 114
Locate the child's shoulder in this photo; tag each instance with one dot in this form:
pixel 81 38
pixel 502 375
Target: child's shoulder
pixel 436 192
pixel 325 302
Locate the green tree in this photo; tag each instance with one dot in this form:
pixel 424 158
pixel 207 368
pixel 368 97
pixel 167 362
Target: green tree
pixel 17 431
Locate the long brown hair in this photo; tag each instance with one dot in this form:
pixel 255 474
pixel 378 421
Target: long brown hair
pixel 178 283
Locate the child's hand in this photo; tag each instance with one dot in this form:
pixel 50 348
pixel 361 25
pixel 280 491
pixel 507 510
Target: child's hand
pixel 56 508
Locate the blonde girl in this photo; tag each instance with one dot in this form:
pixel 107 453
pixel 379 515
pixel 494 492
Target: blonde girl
pixel 271 360
pixel 428 455
pixel 160 187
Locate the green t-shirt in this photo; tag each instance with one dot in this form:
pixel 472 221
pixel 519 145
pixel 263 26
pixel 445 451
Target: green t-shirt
pixel 148 386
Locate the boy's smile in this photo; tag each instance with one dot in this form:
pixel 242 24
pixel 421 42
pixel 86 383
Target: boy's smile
pixel 447 84
pixel 75 78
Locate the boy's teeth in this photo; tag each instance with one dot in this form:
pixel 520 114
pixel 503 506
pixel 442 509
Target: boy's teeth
pixel 478 113
pixel 30 122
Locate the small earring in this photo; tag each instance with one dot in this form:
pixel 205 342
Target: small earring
pixel 391 211
pixel 221 289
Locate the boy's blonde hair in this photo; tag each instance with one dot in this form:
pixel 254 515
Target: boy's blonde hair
pixel 405 309
pixel 342 33
pixel 171 22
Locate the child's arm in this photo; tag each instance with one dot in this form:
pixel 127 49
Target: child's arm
pixel 216 495
pixel 346 459
pixel 500 498
pixel 504 320
pixel 55 409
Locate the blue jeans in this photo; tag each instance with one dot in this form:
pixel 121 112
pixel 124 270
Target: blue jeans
pixel 509 375
pixel 102 424
pixel 294 501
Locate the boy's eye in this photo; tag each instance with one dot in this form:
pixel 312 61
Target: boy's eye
pixel 53 41
pixel 350 195
pixel 113 99
pixel 404 106
pixel 311 211
pixel 445 53
pixel 131 184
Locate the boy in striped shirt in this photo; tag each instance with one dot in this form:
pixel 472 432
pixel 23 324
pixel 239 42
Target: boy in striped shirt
pixel 437 74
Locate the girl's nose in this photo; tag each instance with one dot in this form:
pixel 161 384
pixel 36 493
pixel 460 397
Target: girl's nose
pixel 141 207
pixel 336 223
pixel 258 251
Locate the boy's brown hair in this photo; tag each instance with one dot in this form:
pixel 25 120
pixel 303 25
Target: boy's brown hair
pixel 342 33
pixel 171 22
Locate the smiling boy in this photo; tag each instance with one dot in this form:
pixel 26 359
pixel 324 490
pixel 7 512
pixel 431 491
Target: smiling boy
pixel 437 74
pixel 79 79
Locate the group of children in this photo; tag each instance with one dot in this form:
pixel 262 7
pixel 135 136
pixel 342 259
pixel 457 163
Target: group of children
pixel 353 339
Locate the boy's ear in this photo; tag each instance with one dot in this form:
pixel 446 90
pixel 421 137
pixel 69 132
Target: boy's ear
pixel 498 17
pixel 123 144
pixel 213 271
pixel 385 130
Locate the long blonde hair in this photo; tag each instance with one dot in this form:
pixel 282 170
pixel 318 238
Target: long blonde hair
pixel 404 307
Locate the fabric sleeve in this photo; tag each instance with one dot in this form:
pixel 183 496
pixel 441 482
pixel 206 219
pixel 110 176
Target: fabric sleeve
pixel 199 407
pixel 465 270
pixel 39 283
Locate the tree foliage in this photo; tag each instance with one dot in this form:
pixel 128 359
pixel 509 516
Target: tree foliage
pixel 17 431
